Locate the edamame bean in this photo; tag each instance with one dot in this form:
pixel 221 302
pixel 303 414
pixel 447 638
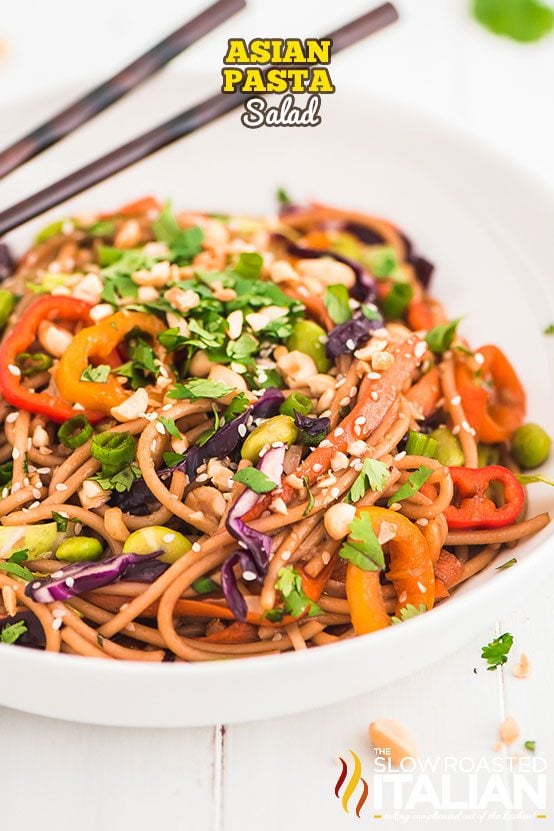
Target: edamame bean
pixel 280 428
pixel 530 446
pixel 309 338
pixel 7 302
pixel 79 549
pixel 157 538
pixel 449 451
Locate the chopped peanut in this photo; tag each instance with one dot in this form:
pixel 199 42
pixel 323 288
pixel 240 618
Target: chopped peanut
pixel 389 734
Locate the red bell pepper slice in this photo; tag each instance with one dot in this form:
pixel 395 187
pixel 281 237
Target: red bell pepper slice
pixel 20 338
pixel 494 401
pixel 474 508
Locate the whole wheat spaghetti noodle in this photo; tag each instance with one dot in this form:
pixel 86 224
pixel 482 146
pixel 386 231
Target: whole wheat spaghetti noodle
pixel 230 437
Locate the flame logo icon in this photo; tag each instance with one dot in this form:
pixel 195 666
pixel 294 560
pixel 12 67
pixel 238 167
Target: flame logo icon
pixel 351 784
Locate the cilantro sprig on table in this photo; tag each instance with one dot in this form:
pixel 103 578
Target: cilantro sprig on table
pixel 496 652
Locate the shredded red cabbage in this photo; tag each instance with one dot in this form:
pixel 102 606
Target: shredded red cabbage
pixel 312 430
pixel 79 578
pixel 254 557
pixel 345 338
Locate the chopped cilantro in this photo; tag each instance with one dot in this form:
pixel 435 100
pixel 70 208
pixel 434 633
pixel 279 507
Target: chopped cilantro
pixel 99 374
pixel 336 299
pixel 395 303
pixel 121 481
pixel 242 348
pixel 531 478
pixel 289 583
pixel 184 244
pixel 172 459
pixel 549 330
pixel 249 265
pixel 381 260
pixel 19 557
pixel 61 521
pixel 12 632
pixel 237 406
pixel 170 426
pixel 200 388
pixel 496 652
pixel 207 434
pixel 374 475
pixel 362 548
pixel 415 481
pixel 409 611
pixel 255 479
pixel 283 198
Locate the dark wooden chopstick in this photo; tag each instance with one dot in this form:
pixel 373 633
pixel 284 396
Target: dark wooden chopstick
pixel 107 93
pixel 178 127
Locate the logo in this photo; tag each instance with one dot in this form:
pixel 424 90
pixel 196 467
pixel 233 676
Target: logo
pixel 288 67
pixel 476 790
pixel 352 783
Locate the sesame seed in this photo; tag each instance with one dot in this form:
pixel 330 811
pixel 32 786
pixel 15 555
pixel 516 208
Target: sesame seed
pixel 15 453
pixel 286 555
pixel 374 376
pixel 420 349
pixel 455 429
pixel 335 493
pixel 422 521
pixel 248 575
pixel 14 370
pixel 360 420
pixel 203 477
pixel 344 402
pixel 168 538
pixel 375 395
pixel 338 432
pixel 57 623
pixel 317 468
pixel 357 430
pixel 402 597
pixel 350 344
pixel 43 471
pixel 241 429
pixel 325 443
pixel 395 506
pixel 196 546
pixel 36 584
pixel 57 575
pixel 160 428
pixel 34 505
pixel 399 455
pixel 465 426
pixel 325 557
pixel 153 446
pixel 407 355
pixel 16 486
pixel 421 587
pixel 353 391
pixel 61 486
pixel 456 400
pixel 11 417
pixel 479 358
pixel 69 582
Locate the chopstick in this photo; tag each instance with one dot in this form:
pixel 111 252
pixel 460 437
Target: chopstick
pixel 181 125
pixel 103 96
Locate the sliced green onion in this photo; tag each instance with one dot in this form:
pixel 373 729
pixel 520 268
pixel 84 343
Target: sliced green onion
pixel 296 403
pixel 419 444
pixel 113 451
pixel 102 228
pixel 30 363
pixel 337 303
pixel 395 303
pixel 440 338
pixel 50 230
pixel 7 302
pixel 75 432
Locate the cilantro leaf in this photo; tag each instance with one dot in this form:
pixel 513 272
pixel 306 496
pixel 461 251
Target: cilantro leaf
pixel 496 652
pixel 99 374
pixel 362 548
pixel 242 348
pixel 396 302
pixel 530 745
pixel 289 583
pixel 200 388
pixel 121 481
pixel 255 479
pixel 15 570
pixel 374 475
pixel 440 338
pixel 19 557
pixel 12 632
pixel 336 301
pixel 521 20
pixel 409 611
pixel 549 330
pixel 381 260
pixel 207 434
pixel 237 406
pixel 61 521
pixel 531 478
pixel 184 243
pixel 170 426
pixel 283 198
pixel 415 481
pixel 172 459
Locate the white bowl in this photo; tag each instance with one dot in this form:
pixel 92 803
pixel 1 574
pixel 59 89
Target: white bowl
pixel 488 228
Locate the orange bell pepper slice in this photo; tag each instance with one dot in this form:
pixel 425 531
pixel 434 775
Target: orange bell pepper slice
pixel 99 342
pixel 426 393
pixel 411 572
pixel 495 401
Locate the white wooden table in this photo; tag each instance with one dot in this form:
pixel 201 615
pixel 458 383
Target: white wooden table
pixel 281 774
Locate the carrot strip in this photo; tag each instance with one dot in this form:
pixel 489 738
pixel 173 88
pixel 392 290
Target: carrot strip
pixel 426 393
